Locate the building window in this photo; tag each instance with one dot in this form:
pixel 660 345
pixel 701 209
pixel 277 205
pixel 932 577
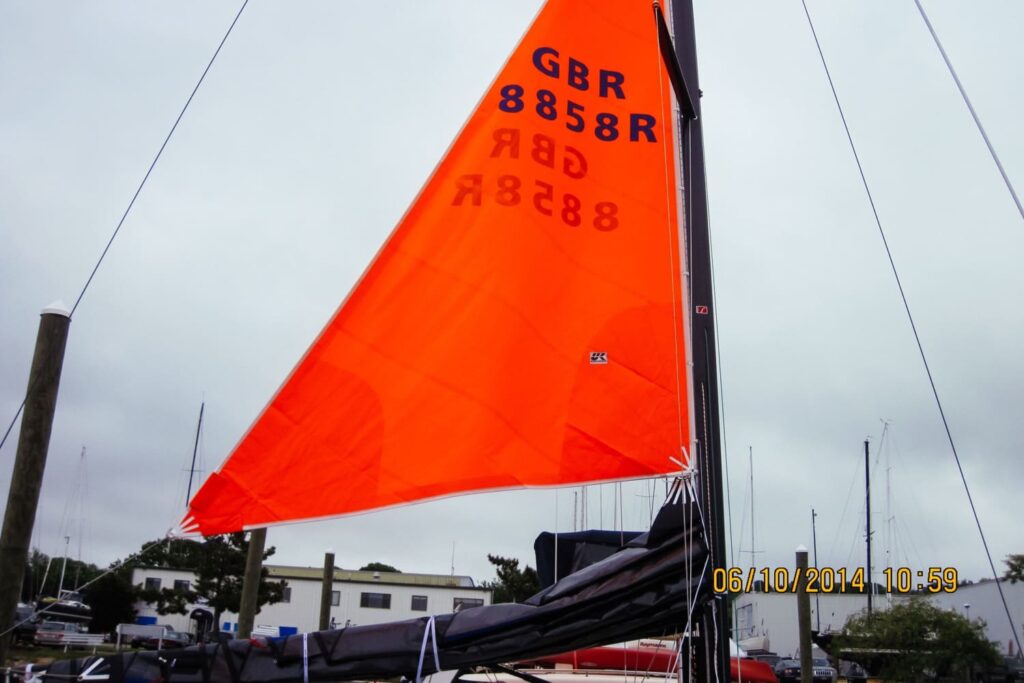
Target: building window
pixel 465 603
pixel 286 594
pixel 335 598
pixel 419 603
pixel 376 600
pixel 745 621
pixel 152 583
pixel 182 585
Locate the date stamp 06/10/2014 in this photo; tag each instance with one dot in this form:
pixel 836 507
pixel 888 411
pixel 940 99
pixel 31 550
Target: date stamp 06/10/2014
pixel 831 580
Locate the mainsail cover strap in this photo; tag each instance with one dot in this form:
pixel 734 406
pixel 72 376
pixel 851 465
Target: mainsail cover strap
pixel 305 659
pixel 645 590
pixel 429 633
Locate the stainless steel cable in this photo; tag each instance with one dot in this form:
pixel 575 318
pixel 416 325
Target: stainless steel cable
pixel 913 327
pixel 974 114
pixel 138 190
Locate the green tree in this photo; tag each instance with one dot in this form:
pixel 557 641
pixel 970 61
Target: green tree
pixel 913 639
pixel 176 553
pixel 379 567
pixel 513 584
pixel 219 566
pixel 108 593
pixel 1014 568
pixel 220 573
pixel 43 575
pixel 112 599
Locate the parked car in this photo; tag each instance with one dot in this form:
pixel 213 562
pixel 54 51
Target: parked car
pixel 52 632
pixel 852 672
pixel 1010 670
pixel 168 641
pixel 25 624
pixel 770 660
pixel 788 671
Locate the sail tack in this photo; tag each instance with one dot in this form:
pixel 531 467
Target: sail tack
pixel 523 324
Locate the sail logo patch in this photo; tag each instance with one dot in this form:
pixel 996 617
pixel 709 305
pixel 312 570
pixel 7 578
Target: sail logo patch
pixel 599 358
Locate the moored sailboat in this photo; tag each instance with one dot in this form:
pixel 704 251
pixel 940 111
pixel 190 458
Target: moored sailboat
pixel 542 316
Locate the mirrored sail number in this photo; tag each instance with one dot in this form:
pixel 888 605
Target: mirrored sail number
pixel 547 198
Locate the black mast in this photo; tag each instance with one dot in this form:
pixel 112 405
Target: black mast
pixel 713 642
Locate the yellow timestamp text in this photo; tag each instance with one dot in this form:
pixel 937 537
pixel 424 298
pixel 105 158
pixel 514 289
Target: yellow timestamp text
pixel 830 580
pixel 932 580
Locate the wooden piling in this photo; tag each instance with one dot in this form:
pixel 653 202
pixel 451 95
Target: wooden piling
pixel 249 603
pixel 30 462
pixel 326 588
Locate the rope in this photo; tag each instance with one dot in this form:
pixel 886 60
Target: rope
pixel 974 115
pixel 913 327
pixel 429 631
pixel 110 570
pixel 305 658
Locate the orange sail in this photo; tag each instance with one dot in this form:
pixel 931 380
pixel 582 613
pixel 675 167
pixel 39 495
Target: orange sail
pixel 523 324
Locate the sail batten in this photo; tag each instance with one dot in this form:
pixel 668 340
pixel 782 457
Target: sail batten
pixel 522 326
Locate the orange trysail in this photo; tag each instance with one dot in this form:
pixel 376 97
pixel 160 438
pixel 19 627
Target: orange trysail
pixel 523 324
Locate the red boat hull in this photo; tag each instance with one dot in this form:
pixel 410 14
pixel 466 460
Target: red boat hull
pixel 650 659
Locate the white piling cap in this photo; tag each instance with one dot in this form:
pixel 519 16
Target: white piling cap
pixel 801 548
pixel 58 307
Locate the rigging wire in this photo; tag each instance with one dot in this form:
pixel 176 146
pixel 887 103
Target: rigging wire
pixel 970 107
pixel 913 327
pixel 135 196
pixel 721 387
pixel 842 517
pixel 79 588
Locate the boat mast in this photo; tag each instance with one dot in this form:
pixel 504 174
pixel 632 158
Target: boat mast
pixel 814 538
pixel 713 617
pixel 195 450
pixel 867 505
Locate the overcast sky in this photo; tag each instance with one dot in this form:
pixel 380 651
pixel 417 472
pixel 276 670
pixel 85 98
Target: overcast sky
pixel 317 126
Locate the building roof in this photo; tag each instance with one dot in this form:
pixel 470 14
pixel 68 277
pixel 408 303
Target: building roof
pixel 355 576
pixel 278 571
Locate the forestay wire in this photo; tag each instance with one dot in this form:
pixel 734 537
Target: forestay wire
pixel 913 327
pixel 110 570
pixel 974 114
pixel 135 196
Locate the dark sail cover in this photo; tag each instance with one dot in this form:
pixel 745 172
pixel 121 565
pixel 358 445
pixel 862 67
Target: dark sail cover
pixel 639 591
pixel 576 550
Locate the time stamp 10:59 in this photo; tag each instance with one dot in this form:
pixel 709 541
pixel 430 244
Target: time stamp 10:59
pixel 831 580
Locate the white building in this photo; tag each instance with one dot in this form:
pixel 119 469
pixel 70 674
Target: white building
pixel 981 601
pixel 358 597
pixel 773 615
